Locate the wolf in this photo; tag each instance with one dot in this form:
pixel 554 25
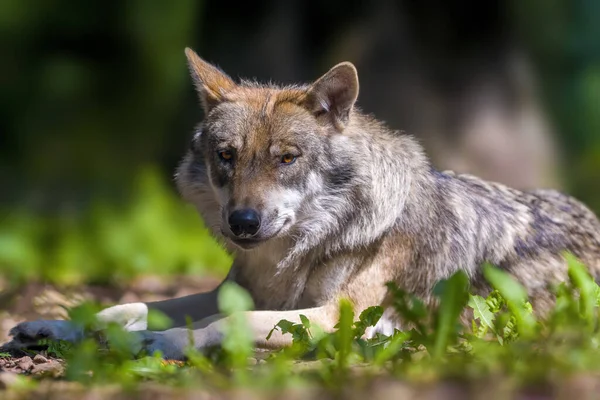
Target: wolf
pixel 319 202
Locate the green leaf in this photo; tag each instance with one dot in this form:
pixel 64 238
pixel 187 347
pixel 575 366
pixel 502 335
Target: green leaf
pixel 495 301
pixel 481 311
pixel 305 321
pixel 238 341
pixel 158 321
pixel 300 333
pixel 453 298
pixel 285 326
pixel 271 332
pixel 587 287
pixel 515 296
pixel 393 347
pixel 409 308
pixel 58 348
pixel 84 315
pixel 369 317
pixel 345 333
pixel 233 298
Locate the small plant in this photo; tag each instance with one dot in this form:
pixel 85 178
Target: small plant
pixel 57 348
pixel 503 339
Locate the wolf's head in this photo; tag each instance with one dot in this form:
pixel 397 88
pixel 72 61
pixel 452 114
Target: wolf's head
pixel 263 152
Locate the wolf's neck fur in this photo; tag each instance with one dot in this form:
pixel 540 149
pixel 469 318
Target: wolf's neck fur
pixel 370 202
pixel 398 192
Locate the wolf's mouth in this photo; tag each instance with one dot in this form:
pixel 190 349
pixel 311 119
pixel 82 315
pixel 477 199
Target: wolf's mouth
pixel 247 244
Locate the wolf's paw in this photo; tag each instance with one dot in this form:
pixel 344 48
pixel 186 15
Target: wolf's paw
pixel 27 334
pixel 171 343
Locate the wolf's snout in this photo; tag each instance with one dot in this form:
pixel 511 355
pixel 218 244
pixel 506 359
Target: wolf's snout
pixel 244 222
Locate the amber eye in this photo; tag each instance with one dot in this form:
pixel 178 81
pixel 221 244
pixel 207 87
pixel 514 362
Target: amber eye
pixel 288 158
pixel 226 155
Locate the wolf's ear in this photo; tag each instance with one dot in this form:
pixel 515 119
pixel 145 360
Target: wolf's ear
pixel 334 94
pixel 211 83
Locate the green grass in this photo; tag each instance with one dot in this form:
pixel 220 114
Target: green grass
pixel 504 341
pixel 157 234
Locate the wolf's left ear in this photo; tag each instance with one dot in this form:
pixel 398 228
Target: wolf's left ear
pixel 211 83
pixel 334 94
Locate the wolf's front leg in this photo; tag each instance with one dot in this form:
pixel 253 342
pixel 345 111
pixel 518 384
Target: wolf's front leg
pixel 172 343
pixel 132 317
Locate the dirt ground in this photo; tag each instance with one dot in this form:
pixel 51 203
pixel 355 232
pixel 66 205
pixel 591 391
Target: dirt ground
pixel 36 300
pixel 45 301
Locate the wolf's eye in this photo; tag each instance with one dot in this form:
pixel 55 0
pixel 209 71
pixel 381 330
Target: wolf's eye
pixel 226 155
pixel 288 158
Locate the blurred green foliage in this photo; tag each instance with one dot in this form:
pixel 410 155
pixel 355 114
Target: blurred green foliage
pixel 563 39
pixel 91 91
pixel 154 233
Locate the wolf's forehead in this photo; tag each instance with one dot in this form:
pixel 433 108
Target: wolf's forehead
pixel 269 105
pixel 260 118
pixel 266 98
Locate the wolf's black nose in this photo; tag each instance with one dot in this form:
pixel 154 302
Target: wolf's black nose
pixel 244 222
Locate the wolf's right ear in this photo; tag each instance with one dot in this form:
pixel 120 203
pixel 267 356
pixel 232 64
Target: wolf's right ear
pixel 334 94
pixel 211 83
